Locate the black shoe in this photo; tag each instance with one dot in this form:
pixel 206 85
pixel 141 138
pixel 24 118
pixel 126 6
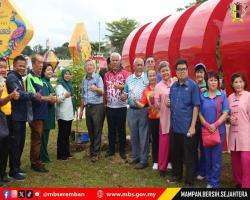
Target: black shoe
pixel 109 154
pixel 123 156
pixel 41 169
pixel 22 172
pixel 18 177
pixel 62 158
pixel 70 156
pixel 141 166
pixel 133 162
pixel 162 173
pixel 174 180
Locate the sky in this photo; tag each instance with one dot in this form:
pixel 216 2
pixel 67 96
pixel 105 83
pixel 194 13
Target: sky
pixel 55 19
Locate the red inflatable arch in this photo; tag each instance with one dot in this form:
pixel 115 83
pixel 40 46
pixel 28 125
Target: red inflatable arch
pixel 195 34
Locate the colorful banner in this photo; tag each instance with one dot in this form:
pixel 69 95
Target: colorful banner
pixel 15 30
pixel 79 45
pixel 122 193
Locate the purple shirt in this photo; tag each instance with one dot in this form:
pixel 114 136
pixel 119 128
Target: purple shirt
pixel 208 108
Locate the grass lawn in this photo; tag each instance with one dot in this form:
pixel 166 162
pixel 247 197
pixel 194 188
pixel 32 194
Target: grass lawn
pixel 114 172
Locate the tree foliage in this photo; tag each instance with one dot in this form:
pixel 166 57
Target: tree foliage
pixel 38 49
pixel 119 31
pixel 104 48
pixel 63 51
pixel 191 4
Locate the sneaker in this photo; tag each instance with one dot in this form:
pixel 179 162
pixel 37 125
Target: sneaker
pixel 141 166
pixel 70 156
pixel 169 166
pixel 174 180
pixel 18 177
pixel 22 172
pixel 200 178
pixel 41 169
pixel 209 186
pixel 155 166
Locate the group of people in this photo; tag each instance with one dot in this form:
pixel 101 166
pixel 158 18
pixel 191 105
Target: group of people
pixel 170 113
pixel 32 100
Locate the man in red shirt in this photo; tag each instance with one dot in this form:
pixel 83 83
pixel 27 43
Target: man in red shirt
pixel 114 81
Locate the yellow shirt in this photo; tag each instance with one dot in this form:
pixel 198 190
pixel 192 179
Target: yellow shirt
pixel 6 108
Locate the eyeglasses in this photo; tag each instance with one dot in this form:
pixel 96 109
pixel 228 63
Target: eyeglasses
pixel 150 61
pixel 181 69
pixel 139 65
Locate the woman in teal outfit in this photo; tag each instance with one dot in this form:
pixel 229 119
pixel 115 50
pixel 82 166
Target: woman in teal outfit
pixel 49 124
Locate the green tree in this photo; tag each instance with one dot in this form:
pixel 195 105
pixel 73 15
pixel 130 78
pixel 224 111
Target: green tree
pixel 27 51
pixel 119 31
pixel 38 49
pixel 104 48
pixel 191 4
pixel 63 51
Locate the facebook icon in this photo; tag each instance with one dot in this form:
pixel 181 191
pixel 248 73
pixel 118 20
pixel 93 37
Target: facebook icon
pixel 6 194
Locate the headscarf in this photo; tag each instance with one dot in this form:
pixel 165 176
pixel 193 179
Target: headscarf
pixel 68 86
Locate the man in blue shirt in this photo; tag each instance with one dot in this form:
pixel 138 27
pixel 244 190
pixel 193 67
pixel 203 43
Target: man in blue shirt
pixel 184 106
pixel 137 117
pixel 92 99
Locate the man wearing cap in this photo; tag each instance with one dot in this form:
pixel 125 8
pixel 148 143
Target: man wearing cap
pixel 200 73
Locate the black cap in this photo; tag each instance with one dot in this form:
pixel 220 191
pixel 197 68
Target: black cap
pixel 200 66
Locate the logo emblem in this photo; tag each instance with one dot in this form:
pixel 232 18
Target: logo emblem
pixel 29 194
pixel 238 11
pixel 6 194
pixel 21 194
pixel 13 194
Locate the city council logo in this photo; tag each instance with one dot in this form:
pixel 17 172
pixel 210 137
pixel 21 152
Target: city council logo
pixel 238 11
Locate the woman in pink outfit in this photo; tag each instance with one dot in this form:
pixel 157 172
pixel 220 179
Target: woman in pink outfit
pixel 162 101
pixel 239 135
